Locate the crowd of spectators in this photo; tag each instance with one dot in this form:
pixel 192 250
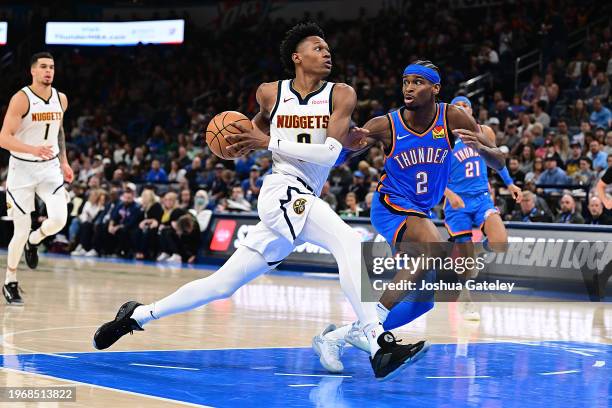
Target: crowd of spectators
pixel 146 184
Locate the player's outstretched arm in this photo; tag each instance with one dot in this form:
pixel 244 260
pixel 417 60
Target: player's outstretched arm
pixel 515 190
pixel 466 128
pixel 376 131
pixel 17 109
pixel 326 154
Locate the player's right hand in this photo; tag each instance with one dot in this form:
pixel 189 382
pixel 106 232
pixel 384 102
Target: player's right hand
pixel 455 201
pixel 44 152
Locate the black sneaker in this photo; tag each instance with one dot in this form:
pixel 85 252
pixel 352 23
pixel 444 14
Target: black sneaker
pixel 391 358
pixel 31 254
pixel 12 295
pixel 112 331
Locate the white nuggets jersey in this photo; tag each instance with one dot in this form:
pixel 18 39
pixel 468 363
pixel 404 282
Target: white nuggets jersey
pixel 41 123
pixel 302 120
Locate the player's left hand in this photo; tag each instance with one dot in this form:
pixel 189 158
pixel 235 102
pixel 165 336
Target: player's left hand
pixel 356 139
pixel 67 172
pixel 471 138
pixel 248 140
pixel 516 192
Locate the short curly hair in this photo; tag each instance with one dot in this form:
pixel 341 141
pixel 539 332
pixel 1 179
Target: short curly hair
pixel 293 38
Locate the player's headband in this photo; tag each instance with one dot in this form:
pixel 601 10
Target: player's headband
pixel 461 99
pixel 429 74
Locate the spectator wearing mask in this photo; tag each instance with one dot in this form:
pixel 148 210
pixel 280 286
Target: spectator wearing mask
pixel 597 216
pixel 200 209
pixel 529 212
pixel 568 214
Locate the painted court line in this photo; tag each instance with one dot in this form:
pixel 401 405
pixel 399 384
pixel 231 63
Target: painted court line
pixel 582 353
pixel 72 382
pixel 599 363
pixel 561 372
pixel 315 375
pixel 161 366
pixel 463 376
pixel 303 385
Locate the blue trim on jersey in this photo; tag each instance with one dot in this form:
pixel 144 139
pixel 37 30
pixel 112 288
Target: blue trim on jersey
pixel 418 166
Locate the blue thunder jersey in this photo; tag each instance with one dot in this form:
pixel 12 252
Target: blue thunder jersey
pixel 418 165
pixel 468 171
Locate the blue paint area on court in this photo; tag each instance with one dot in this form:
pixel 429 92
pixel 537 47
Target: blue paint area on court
pixel 539 374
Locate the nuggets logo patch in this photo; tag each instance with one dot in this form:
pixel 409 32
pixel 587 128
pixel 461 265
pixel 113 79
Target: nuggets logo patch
pixel 8 205
pixel 438 132
pixel 299 206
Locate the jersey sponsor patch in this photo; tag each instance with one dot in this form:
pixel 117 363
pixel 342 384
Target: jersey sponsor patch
pixel 299 206
pixel 438 132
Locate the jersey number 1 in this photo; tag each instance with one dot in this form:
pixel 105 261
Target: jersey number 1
pixel 47 130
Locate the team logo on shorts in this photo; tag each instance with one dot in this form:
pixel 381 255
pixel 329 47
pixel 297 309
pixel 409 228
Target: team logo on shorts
pixel 299 206
pixel 8 205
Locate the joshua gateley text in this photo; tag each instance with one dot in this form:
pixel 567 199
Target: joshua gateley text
pixel 469 284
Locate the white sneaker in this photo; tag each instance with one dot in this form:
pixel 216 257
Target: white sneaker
pixel 357 338
pixel 162 257
pixel 329 351
pixel 175 258
pixel 79 251
pixel 91 252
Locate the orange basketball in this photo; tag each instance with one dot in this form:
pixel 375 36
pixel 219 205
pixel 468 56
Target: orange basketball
pixel 222 125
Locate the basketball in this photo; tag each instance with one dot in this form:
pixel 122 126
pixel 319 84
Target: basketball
pixel 222 125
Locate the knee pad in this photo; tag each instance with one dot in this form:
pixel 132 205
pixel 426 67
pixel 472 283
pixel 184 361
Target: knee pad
pixel 53 224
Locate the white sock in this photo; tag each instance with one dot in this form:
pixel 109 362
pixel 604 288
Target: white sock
pixel 36 237
pixel 339 333
pixel 242 267
pixel 144 314
pixel 372 331
pixel 382 312
pixel 11 276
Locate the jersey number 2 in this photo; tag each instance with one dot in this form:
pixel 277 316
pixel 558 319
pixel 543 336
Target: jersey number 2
pixel 303 138
pixel 47 130
pixel 421 187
